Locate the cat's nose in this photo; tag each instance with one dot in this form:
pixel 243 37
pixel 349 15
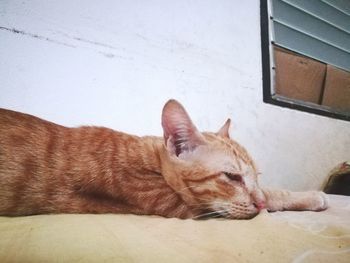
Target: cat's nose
pixel 259 205
pixel 259 200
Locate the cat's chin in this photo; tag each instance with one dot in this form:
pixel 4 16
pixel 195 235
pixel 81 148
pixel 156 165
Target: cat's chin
pixel 209 215
pixel 250 216
pixel 220 215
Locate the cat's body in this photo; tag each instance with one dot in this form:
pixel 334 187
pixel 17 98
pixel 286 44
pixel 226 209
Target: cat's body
pixel 48 168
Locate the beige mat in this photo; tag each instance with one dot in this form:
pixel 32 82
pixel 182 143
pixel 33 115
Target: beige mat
pixel 276 237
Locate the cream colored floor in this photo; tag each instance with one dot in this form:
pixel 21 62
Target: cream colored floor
pixel 269 237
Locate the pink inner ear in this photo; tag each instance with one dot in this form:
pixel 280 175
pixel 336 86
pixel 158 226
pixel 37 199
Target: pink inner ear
pixel 178 126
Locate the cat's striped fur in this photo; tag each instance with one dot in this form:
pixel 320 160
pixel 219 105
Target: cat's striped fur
pixel 48 168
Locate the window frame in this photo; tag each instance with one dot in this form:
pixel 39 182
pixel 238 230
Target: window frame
pixel 267 75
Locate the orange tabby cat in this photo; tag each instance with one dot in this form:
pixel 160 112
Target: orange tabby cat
pixel 48 168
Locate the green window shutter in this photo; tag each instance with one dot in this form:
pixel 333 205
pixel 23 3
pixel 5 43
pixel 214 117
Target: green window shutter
pixel 315 28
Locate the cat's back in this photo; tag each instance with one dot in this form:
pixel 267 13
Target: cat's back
pixel 20 130
pixel 27 141
pixel 10 120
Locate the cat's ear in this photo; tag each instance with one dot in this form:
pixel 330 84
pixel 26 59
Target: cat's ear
pixel 180 134
pixel 225 129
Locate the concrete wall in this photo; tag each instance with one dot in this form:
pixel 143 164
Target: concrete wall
pixel 115 63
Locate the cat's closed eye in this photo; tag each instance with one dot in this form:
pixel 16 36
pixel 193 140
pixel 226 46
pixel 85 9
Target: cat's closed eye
pixel 233 176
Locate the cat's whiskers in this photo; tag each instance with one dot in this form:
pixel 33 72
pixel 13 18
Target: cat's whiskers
pixel 208 203
pixel 212 214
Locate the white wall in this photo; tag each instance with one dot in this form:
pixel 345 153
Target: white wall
pixel 115 63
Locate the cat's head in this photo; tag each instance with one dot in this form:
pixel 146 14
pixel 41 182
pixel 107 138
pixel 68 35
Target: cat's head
pixel 212 173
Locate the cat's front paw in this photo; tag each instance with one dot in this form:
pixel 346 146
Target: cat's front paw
pixel 319 201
